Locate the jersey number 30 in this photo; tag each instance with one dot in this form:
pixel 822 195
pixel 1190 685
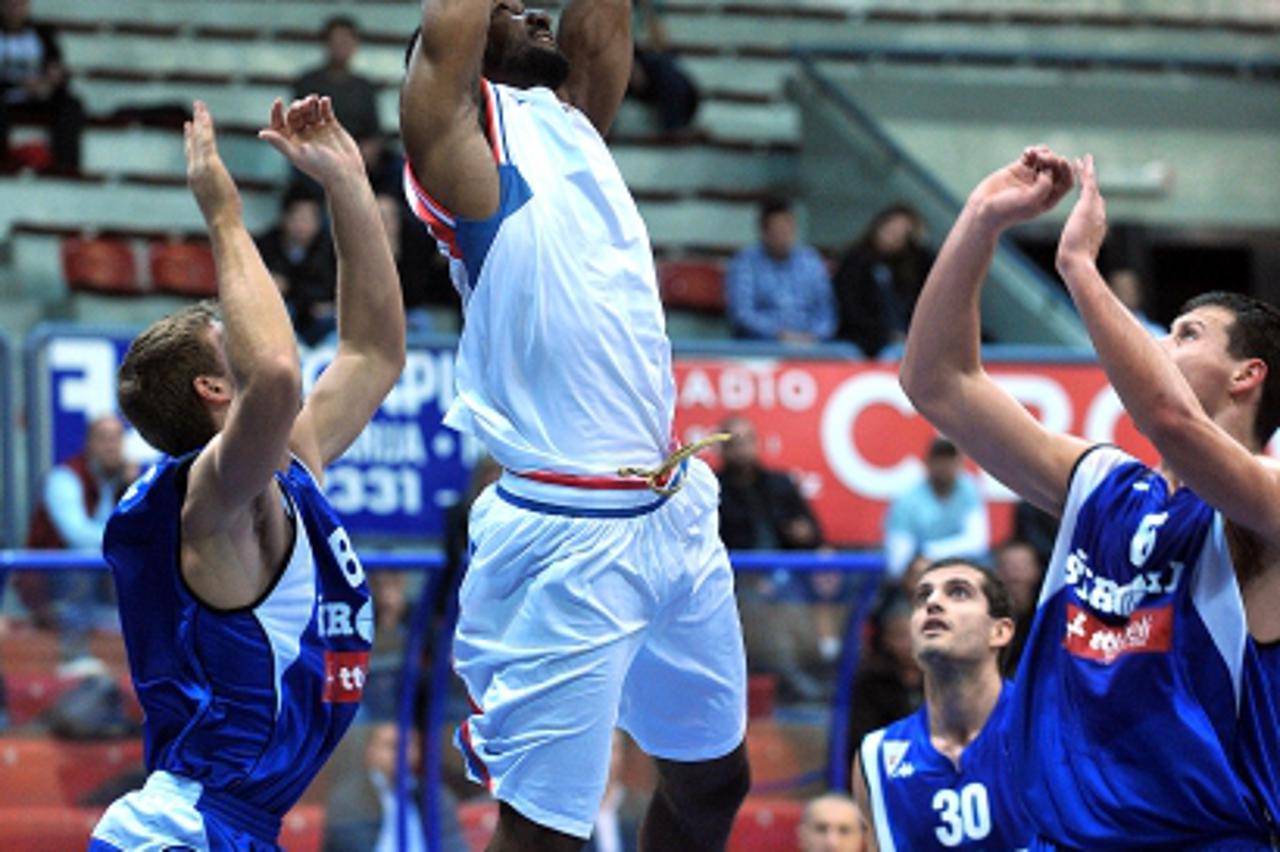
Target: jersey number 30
pixel 965 815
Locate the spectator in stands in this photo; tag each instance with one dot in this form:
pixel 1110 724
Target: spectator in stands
pixel 1020 569
pixel 941 518
pixel 879 279
pixel 34 87
pixel 776 289
pixel 657 78
pixel 617 826
pixel 424 271
pixel 762 509
pixel 888 684
pixel 299 254
pixel 79 495
pixel 832 823
pixel 1036 527
pixel 1129 289
pixel 355 98
pixel 362 808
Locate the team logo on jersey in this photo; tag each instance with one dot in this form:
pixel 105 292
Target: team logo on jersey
pixel 894 765
pixel 336 620
pixel 345 673
pixel 1147 631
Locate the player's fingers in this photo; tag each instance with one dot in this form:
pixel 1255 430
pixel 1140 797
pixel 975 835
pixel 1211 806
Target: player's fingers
pixel 277 141
pixel 326 110
pixel 277 115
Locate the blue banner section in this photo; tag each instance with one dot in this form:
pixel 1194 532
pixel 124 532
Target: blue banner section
pixel 8 534
pixel 398 479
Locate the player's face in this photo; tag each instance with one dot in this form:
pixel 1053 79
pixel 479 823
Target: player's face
pixel 949 617
pixel 522 50
pixel 1197 343
pixel 831 825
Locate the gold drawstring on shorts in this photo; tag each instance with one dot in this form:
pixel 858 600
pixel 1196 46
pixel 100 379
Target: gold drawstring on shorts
pixel 653 476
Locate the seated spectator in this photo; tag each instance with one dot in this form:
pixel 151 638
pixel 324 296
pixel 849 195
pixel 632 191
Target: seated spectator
pixel 888 684
pixel 299 254
pixel 656 78
pixel 34 87
pixel 1128 288
pixel 1020 569
pixel 424 272
pixel 78 498
pixel 879 279
pixel 355 98
pixel 1036 527
pixel 776 289
pixel 832 823
pixel 762 509
pixel 941 518
pixel 362 808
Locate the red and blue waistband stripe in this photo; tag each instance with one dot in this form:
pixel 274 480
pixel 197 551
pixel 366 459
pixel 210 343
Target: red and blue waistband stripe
pixel 438 221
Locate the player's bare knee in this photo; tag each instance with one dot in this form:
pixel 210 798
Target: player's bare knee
pixel 713 786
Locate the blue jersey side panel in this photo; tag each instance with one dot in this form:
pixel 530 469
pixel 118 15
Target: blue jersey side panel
pixel 251 701
pixel 923 801
pixel 1126 728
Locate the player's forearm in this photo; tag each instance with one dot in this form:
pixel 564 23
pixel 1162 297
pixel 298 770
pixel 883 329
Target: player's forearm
pixel 944 342
pixel 1151 387
pixel 259 337
pixel 370 305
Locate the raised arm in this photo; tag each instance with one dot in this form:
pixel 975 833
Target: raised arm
pixel 595 35
pixel 370 352
pixel 1199 452
pixel 440 108
pixel 257 338
pixel 942 370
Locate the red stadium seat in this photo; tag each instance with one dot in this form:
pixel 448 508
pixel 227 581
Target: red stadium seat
pixel 695 285
pixel 183 268
pixel 50 772
pixel 766 825
pixel 100 265
pixel 302 829
pixel 47 828
pixel 479 819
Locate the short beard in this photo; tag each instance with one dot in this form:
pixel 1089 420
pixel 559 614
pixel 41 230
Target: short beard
pixel 530 68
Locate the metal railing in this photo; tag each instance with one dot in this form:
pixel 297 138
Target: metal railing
pixel 431 635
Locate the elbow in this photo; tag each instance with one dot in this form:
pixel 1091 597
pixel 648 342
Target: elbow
pixel 278 376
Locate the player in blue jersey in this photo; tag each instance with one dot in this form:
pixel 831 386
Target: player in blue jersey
pixel 937 779
pixel 597 596
pixel 1147 706
pixel 245 612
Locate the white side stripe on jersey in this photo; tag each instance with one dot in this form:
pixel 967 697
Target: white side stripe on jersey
pixel 871 768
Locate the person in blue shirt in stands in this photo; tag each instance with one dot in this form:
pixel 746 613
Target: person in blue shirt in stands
pixel 779 290
pixel 244 608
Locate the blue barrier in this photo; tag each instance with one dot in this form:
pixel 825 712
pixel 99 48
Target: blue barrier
pixel 8 530
pixel 438 604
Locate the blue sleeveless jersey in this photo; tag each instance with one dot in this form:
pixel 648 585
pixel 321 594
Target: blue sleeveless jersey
pixel 1144 714
pixel 921 800
pixel 248 702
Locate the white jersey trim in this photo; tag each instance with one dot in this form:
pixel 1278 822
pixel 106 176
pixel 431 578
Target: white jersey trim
pixel 287 611
pixel 875 790
pixel 1216 596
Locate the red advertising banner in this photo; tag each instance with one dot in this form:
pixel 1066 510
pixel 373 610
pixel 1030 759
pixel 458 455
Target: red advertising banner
pixel 848 435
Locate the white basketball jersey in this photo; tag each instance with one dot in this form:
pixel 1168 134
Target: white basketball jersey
pixel 564 363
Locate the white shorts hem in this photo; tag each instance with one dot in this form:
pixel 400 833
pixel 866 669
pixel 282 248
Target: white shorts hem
pixel 693 754
pixel 546 818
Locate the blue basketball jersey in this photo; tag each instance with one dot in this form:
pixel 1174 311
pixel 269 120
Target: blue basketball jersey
pixel 1144 713
pixel 248 702
pixel 921 800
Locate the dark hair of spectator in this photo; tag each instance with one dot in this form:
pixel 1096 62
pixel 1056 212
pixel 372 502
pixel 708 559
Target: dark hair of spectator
pixel 942 448
pixel 1255 333
pixel 156 382
pixel 296 193
pixel 345 22
pixel 867 239
pixel 771 207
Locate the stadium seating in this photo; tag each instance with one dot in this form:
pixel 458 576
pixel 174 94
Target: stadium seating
pixel 100 264
pixel 183 268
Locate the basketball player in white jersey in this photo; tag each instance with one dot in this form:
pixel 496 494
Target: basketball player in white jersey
pixel 599 593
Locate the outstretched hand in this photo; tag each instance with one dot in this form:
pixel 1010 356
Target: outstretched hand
pixel 1086 227
pixel 210 182
pixel 309 136
pixel 1024 189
